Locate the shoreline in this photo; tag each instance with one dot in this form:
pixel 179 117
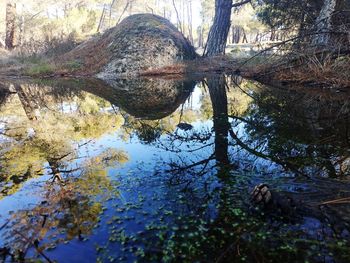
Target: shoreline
pixel 263 72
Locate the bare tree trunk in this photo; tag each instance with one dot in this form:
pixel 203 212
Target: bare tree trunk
pixel 10 40
pixel 101 19
pixel 21 31
pixel 130 5
pixel 219 31
pixel 300 32
pixel 183 16
pixel 110 12
pixel 200 36
pixel 189 19
pixel 238 31
pixel 257 37
pixel 124 10
pixel 233 35
pixel 179 25
pixel 273 34
pixel 244 36
pixel 324 24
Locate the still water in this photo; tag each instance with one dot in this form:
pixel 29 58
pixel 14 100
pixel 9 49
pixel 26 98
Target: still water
pixel 153 170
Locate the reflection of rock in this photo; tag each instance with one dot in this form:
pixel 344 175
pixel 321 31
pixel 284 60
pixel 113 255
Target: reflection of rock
pixel 150 99
pixel 142 98
pixel 4 92
pixel 139 42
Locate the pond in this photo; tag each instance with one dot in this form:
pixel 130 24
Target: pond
pixel 152 170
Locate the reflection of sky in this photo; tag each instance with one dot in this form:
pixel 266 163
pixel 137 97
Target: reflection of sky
pixel 194 102
pixel 2 129
pixel 27 197
pixel 144 158
pixel 68 107
pixel 146 175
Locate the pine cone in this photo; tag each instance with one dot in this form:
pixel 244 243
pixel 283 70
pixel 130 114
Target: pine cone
pixel 261 194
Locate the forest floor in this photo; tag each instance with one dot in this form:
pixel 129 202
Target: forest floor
pixel 8 65
pixel 308 70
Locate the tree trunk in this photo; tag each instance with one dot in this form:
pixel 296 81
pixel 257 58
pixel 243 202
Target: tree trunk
pixel 301 32
pixel 218 97
pixel 273 35
pixel 324 24
pixel 110 12
pixel 10 40
pixel 21 31
pixel 100 24
pixel 245 39
pixel 29 107
pixel 179 24
pixel 233 34
pixel 238 34
pixel 189 18
pixel 257 37
pixel 219 31
pixel 200 37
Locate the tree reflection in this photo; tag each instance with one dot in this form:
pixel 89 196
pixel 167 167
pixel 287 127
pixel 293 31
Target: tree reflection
pixel 215 168
pixel 307 141
pixel 68 209
pixel 203 140
pixel 43 128
pixel 196 203
pixel 276 126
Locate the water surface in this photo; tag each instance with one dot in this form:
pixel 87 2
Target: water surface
pixel 162 170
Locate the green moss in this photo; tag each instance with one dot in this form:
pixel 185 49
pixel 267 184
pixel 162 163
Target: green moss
pixel 236 50
pixel 44 68
pixel 72 65
pixel 40 68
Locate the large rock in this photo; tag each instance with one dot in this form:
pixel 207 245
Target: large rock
pixel 140 42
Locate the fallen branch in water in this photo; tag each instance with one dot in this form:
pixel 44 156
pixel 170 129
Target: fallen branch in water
pixel 345 200
pixel 36 248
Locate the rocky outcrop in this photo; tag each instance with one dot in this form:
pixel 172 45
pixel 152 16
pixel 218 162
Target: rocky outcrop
pixel 140 42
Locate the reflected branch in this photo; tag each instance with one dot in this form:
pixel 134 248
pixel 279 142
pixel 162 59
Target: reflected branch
pixel 284 164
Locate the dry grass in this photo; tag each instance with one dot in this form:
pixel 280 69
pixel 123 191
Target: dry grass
pixel 92 55
pixel 9 65
pixel 329 70
pixel 12 64
pixel 219 64
pixel 319 68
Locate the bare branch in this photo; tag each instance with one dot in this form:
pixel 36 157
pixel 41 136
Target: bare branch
pixel 241 3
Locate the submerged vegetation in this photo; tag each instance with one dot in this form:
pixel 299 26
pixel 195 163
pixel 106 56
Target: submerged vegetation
pixel 119 186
